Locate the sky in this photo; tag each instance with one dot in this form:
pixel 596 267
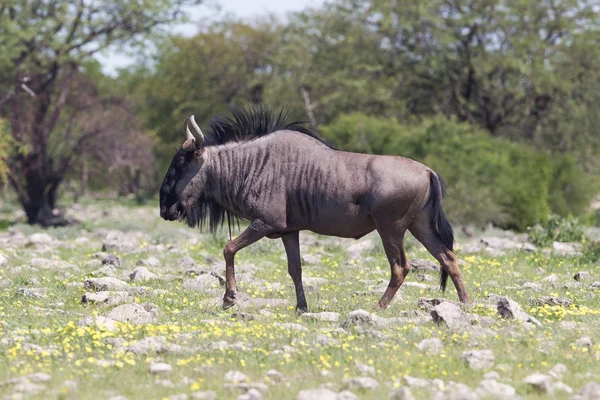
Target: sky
pixel 112 59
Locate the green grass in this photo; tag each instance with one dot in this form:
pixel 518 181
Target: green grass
pixel 188 318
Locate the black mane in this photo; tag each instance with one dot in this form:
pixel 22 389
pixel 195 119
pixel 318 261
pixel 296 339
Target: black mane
pixel 248 124
pixel 242 126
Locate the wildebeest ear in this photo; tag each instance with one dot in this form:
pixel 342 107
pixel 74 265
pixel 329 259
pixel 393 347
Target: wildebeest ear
pixel 193 132
pixel 189 145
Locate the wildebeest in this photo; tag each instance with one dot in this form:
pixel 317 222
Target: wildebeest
pixel 284 179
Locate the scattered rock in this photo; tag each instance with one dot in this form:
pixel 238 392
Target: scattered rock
pixel 132 313
pixel 235 376
pixel 322 316
pixel 141 274
pixel 360 383
pixel 111 259
pixel 100 322
pixel 562 387
pixel 540 382
pixel 551 279
pixel 451 315
pixel 421 265
pixel 187 262
pixel 428 304
pixel 106 298
pixel 204 395
pixel 149 262
pixel 490 388
pixel 361 318
pixel 584 341
pixel 551 301
pixel 202 282
pixel 402 393
pixel 566 248
pixel 431 345
pixel 148 345
pixel 251 394
pixel 38 293
pixel 274 375
pixel 104 284
pixel 582 276
pixel 347 395
pixel 558 371
pixel 160 369
pixel 478 359
pixel 317 394
pixel 365 369
pixel 416 382
pixel 40 238
pixel 3 260
pixel 508 309
pixel 591 391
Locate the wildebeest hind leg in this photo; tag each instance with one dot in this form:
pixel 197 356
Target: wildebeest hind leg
pixel 292 249
pixel 393 243
pixel 422 230
pixel 256 231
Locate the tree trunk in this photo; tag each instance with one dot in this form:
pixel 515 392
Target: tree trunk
pixel 39 192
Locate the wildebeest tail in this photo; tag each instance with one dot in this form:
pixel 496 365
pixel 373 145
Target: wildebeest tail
pixel 439 223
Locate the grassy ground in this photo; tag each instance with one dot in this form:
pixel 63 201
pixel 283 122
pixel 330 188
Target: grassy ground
pixel 41 334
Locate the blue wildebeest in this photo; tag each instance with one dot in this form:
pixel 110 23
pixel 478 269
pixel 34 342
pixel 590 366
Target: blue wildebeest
pixel 284 179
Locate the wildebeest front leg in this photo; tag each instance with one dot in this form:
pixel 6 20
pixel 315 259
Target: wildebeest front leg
pixel 292 249
pixel 253 233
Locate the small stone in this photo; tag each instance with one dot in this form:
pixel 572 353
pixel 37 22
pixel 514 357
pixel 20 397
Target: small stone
pixel 360 318
pixel 274 375
pixel 451 315
pixel 551 301
pixel 540 382
pixel 187 262
pixel 322 316
pixel 420 265
pixel 149 262
pixel 317 394
pixel 106 298
pixel 235 377
pixel 3 260
pixel 111 259
pixel 558 371
pixel 148 345
pixel 365 369
pixel 402 393
pixel 490 388
pixel 582 276
pixel 478 359
pixel 591 391
pixel 204 395
pixel 562 387
pixel 160 369
pixel 551 279
pixel 180 396
pixel 132 313
pixel 40 238
pixel 361 383
pixel 251 394
pixel 508 308
pixel 202 282
pixel 347 395
pixel 100 322
pixel 416 382
pixel 491 375
pixel 432 346
pixel 584 341
pixel 104 284
pixel 141 274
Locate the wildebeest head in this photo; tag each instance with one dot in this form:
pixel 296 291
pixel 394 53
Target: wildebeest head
pixel 175 200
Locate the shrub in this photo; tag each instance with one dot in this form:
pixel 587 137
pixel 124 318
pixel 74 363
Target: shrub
pixel 557 229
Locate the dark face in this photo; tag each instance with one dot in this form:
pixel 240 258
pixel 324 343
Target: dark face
pixel 184 166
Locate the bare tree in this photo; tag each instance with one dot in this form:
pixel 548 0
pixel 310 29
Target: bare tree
pixel 53 111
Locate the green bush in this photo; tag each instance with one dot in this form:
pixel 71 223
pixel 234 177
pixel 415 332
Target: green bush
pixel 490 179
pixel 557 229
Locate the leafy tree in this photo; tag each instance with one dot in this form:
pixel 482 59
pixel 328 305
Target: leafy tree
pixel 53 108
pixel 226 66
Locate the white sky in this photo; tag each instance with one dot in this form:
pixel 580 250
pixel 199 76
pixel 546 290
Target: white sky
pixel 213 10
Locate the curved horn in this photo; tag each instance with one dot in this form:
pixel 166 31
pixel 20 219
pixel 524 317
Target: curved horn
pixel 186 129
pixel 195 131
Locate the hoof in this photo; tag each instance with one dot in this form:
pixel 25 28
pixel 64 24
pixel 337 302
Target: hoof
pixel 228 304
pixel 301 310
pixel 379 307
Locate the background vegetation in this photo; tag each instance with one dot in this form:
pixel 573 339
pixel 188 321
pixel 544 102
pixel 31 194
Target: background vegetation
pixel 499 97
